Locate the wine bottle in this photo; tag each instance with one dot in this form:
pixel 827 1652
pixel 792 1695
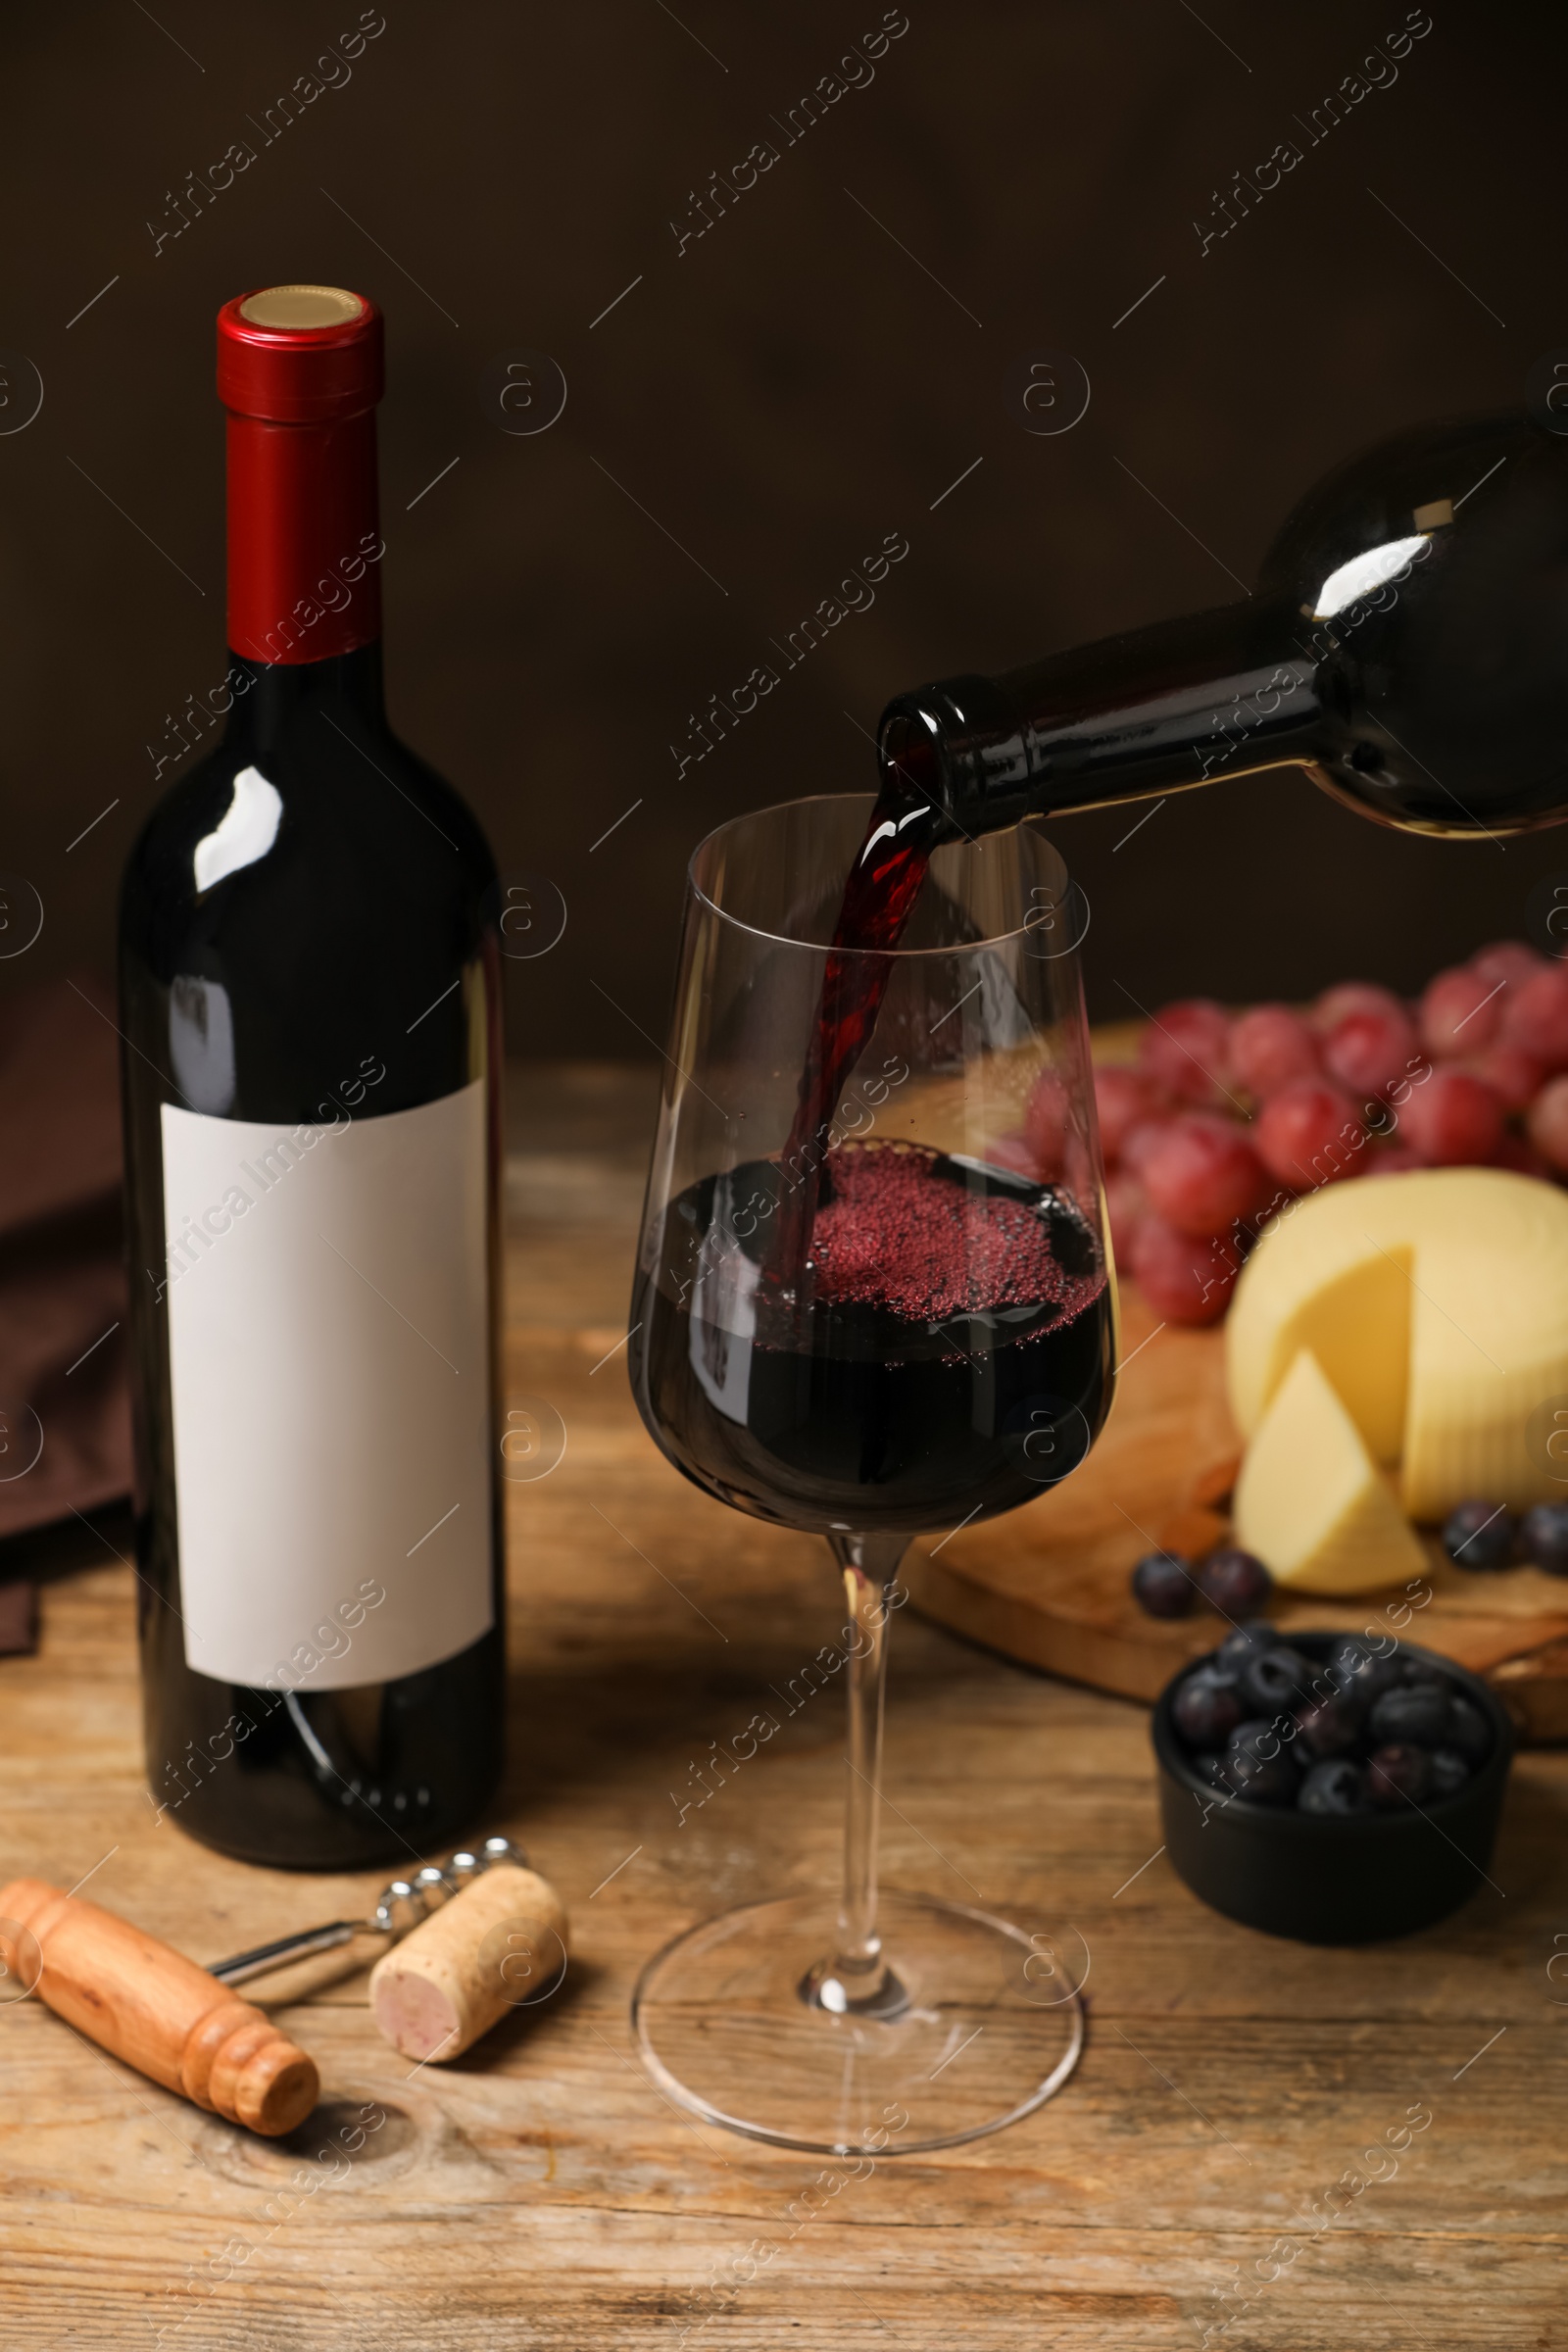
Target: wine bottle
pixel 311 1009
pixel 1407 646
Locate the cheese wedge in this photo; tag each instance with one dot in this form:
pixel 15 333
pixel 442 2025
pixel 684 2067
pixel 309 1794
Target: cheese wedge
pixel 1312 1503
pixel 1436 1302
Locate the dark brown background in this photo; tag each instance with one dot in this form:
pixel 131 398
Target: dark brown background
pixel 780 396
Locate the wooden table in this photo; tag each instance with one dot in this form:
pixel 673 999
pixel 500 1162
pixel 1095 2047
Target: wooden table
pixel 540 2194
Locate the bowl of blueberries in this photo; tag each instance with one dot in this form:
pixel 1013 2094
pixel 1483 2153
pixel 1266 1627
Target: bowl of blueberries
pixel 1328 1786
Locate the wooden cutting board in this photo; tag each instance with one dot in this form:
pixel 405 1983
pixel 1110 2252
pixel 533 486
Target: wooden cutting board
pixel 1049 1583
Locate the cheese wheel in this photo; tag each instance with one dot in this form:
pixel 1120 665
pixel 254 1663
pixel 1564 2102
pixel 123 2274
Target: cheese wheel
pixel 1311 1503
pixel 1436 1303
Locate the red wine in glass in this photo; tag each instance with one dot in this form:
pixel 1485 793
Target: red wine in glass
pixel 957 1358
pixel 852 1318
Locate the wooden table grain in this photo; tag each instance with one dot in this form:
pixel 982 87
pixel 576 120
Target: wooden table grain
pixel 540 2194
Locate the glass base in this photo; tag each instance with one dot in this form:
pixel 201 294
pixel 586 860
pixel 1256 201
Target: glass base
pixel 982 2029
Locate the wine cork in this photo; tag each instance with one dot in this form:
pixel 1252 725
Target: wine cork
pixel 500 1942
pixel 154 2008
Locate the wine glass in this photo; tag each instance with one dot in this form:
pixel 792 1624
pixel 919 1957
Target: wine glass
pixel 903 1325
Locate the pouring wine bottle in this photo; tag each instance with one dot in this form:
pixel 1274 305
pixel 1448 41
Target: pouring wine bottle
pixel 1407 647
pixel 310 1001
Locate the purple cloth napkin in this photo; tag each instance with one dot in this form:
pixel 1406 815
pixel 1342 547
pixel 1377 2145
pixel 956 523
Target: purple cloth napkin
pixel 65 1405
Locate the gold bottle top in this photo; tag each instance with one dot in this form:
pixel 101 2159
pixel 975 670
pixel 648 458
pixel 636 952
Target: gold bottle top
pixel 301 306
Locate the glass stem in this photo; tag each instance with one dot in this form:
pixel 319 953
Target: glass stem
pixel 868 1564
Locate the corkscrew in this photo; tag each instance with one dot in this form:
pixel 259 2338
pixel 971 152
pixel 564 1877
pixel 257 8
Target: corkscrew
pixel 402 1905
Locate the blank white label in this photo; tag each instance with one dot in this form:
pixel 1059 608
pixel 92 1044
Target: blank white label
pixel 328 1332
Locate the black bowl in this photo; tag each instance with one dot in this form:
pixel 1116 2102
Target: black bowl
pixel 1321 1880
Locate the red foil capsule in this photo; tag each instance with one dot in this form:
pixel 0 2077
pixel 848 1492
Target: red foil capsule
pixel 300 370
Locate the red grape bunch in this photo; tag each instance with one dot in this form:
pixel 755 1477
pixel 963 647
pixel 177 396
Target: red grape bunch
pixel 1224 1117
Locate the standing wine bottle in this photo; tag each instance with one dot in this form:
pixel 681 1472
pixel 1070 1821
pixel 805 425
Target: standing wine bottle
pixel 1407 647
pixel 310 998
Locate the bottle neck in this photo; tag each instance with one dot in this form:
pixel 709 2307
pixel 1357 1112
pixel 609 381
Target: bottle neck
pixel 1159 710
pixel 269 699
pixel 304 541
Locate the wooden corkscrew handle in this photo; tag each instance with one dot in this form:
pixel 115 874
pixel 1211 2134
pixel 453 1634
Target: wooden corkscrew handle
pixel 157 2010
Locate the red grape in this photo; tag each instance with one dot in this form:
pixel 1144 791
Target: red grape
pixel 1204 1174
pixel 1045 1123
pixel 1452 1121
pixel 1460 1012
pixel 1548 1124
pixel 1505 959
pixel 1513 1077
pixel 1309 1134
pixel 1336 1003
pixel 1184 1049
pixel 1269 1046
pixel 1368 1051
pixel 1139 1142
pixel 1185 1281
pixel 1122 1098
pixel 1126 1206
pixel 1536 1020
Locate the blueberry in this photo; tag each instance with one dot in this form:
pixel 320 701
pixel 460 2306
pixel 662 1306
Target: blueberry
pixel 1396 1775
pixel 1478 1534
pixel 1416 1670
pixel 1449 1772
pixel 1335 1787
pixel 1260 1766
pixel 1244 1641
pixel 1357 1667
pixel 1417 1715
pixel 1235 1582
pixel 1207 1708
pixel 1248 1734
pixel 1162 1585
pixel 1213 1769
pixel 1468 1730
pixel 1544 1537
pixel 1330 1727
pixel 1277 1681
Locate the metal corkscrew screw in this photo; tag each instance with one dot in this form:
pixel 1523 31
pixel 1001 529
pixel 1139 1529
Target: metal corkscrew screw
pixel 402 1905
